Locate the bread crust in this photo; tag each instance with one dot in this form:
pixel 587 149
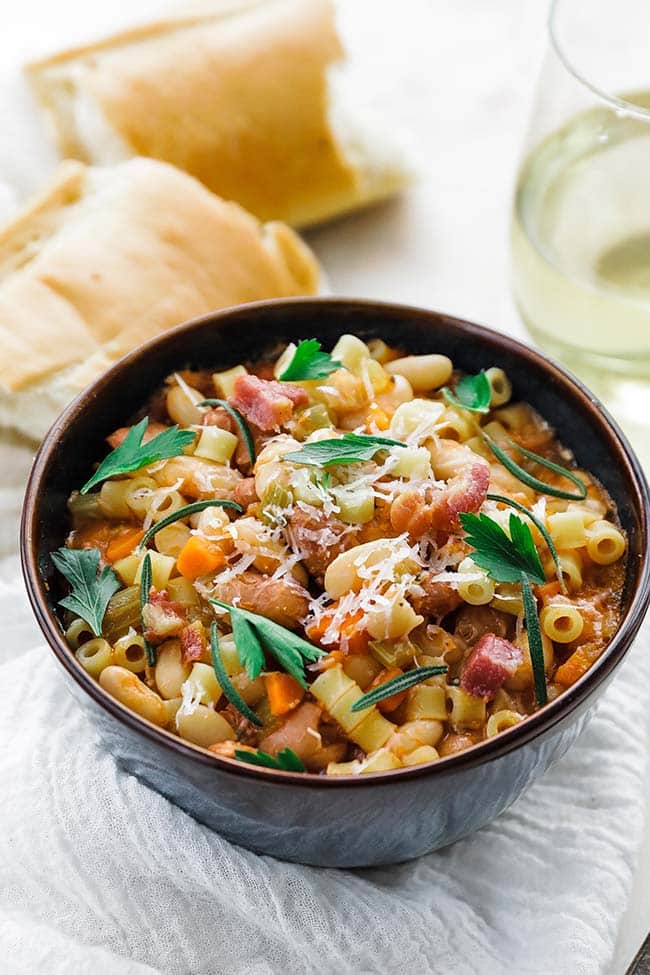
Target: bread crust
pixel 239 99
pixel 105 259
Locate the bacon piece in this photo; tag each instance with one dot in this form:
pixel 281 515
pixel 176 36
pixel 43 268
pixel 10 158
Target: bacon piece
pixel 245 493
pixel 439 599
pixel 489 665
pixel 318 538
pixel 118 436
pixel 294 733
pixel 465 492
pixel 282 600
pixel 266 403
pixel 192 642
pixel 162 618
pixel 418 512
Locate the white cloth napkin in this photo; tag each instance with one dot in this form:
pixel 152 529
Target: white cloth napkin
pixel 100 874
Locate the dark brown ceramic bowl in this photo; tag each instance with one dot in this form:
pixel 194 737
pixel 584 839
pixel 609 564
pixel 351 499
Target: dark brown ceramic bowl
pixel 336 822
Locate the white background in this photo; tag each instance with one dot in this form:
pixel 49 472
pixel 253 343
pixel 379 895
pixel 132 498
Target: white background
pixel 456 78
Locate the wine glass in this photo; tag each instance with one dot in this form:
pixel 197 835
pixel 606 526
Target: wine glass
pixel 581 225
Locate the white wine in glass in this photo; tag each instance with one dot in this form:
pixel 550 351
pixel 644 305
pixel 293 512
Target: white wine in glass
pixel 581 226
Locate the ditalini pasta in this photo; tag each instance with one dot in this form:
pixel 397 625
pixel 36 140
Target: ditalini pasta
pixel 339 563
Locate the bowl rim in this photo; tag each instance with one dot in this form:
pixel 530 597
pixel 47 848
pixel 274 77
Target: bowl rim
pixel 531 727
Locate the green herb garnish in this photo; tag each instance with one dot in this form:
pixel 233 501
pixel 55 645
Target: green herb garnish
pixel 351 448
pixel 91 592
pixel 225 683
pixel 285 761
pixel 513 560
pixel 254 633
pixel 534 641
pixel 145 592
pixel 395 686
pixel 471 393
pixel 534 482
pixel 185 512
pixel 309 362
pixel 503 558
pixel 541 528
pixel 239 420
pixel 132 454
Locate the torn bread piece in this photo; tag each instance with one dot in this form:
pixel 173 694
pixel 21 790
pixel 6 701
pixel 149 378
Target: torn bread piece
pixel 251 99
pixel 108 257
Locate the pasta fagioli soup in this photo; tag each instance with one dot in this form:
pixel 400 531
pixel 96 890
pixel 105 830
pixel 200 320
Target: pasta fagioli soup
pixel 339 563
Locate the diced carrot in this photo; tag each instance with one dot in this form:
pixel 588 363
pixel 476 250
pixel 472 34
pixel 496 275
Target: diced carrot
pixel 284 693
pixel 123 543
pixel 352 637
pixel 578 664
pixel 377 419
pixel 198 557
pixel 390 703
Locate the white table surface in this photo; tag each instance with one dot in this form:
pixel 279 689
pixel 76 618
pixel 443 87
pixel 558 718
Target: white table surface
pixel 457 76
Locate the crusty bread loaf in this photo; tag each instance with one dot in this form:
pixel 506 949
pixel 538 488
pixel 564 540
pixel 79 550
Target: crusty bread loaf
pixel 247 98
pixel 108 257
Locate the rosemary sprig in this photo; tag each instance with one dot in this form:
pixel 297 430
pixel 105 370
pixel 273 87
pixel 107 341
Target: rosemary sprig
pixel 398 684
pixel 184 512
pixel 529 479
pixel 239 420
pixel 225 683
pixel 145 590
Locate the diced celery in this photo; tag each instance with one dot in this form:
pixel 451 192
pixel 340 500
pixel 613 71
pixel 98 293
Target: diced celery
pixel 312 418
pixel 393 653
pixel 122 613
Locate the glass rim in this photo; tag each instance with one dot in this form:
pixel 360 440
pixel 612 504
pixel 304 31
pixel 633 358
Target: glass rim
pixel 619 104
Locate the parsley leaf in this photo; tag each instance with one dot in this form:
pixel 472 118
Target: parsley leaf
pixel 284 761
pixel 513 559
pixel 395 686
pixel 309 362
pixel 503 558
pixel 254 633
pixel 225 683
pixel 541 528
pixel 90 592
pixel 351 448
pixel 132 454
pixel 471 393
